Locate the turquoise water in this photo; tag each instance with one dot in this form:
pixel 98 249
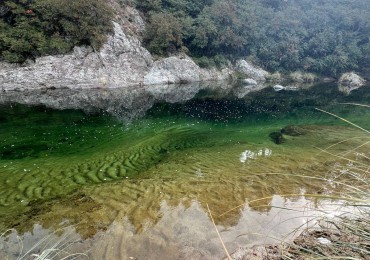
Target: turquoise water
pixel 93 163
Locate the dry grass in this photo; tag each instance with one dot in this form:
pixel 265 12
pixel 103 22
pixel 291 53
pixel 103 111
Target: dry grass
pixel 53 246
pixel 344 234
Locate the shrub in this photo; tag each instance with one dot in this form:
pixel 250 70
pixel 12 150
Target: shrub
pixel 164 34
pixel 204 62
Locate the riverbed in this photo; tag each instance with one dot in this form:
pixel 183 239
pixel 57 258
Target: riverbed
pixel 145 172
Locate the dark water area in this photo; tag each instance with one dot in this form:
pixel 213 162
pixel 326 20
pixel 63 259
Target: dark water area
pixel 130 172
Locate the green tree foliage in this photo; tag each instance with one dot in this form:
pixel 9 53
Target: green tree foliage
pixel 31 28
pixel 322 36
pixel 164 33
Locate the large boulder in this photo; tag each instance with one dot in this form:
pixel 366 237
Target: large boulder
pixel 173 70
pixel 251 71
pixel 350 81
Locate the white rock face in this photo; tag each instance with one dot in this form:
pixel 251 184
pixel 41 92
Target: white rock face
pixel 172 70
pixel 121 61
pixel 215 75
pixel 350 81
pixel 255 73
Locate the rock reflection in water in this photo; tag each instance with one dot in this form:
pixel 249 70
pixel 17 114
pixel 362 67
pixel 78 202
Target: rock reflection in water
pixel 127 103
pixel 183 232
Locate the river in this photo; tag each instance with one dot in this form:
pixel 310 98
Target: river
pixel 138 172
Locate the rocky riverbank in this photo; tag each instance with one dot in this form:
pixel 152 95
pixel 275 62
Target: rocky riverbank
pixel 123 62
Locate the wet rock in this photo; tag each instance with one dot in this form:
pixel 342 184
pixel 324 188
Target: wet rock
pixel 270 252
pixel 278 87
pixel 277 137
pixel 293 130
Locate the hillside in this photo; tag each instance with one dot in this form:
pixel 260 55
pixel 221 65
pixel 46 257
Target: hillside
pixel 319 36
pixel 326 37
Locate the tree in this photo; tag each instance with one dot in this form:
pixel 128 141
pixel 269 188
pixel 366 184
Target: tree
pixel 164 34
pixel 33 28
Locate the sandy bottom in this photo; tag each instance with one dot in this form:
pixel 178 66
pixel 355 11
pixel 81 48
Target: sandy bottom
pixel 257 193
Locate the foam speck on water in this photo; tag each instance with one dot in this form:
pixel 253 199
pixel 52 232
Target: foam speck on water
pixel 247 154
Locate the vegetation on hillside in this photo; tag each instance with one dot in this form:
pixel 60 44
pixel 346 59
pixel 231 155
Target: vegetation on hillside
pixel 322 36
pixel 32 28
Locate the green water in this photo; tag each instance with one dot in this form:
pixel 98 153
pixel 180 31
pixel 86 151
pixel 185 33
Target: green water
pixel 93 168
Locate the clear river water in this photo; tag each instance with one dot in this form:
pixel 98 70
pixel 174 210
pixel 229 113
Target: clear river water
pixel 136 173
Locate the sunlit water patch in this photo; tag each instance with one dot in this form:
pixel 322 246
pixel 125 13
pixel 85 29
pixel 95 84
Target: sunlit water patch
pixel 146 183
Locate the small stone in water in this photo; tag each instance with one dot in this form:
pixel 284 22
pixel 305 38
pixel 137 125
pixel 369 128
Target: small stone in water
pixel 324 241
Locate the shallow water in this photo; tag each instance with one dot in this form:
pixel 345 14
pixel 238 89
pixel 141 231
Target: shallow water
pixel 134 171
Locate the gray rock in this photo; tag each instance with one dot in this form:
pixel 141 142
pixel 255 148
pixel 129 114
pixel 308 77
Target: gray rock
pixel 214 74
pixel 251 71
pixel 250 82
pixel 278 87
pixel 172 70
pixel 350 81
pixel 122 61
pixel 246 90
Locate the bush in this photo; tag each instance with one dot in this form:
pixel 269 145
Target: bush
pixel 204 62
pixel 218 61
pixel 164 34
pixel 31 28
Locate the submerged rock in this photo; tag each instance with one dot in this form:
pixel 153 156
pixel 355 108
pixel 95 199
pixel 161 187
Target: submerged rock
pixel 293 130
pixel 350 81
pixel 277 137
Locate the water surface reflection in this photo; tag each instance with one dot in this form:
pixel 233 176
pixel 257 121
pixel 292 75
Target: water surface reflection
pixel 183 232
